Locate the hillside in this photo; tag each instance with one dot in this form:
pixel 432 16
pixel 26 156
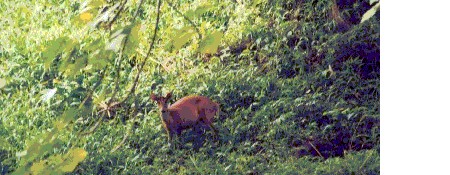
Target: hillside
pixel 298 83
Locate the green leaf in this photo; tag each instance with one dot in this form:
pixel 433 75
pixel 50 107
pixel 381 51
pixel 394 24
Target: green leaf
pixel 38 167
pixel 97 3
pixel 98 56
pixel 211 42
pixel 94 45
pixel 74 69
pixel 198 11
pixel 370 12
pixel 21 170
pixel 133 40
pixel 118 38
pixel 115 43
pixel 2 83
pixel 183 36
pixel 69 115
pixel 54 48
pixel 100 60
pixel 46 147
pixel 56 159
pixel 98 63
pixel 72 159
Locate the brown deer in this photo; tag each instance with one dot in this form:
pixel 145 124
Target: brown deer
pixel 188 112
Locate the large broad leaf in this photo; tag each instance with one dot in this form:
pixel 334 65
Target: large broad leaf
pixel 133 40
pixel 86 16
pixel 100 59
pixel 97 3
pixel 88 4
pixel 118 37
pixel 370 12
pixel 69 115
pixel 115 43
pixel 105 16
pixel 72 159
pixel 74 69
pixel 198 11
pixel 87 11
pixel 211 42
pixel 59 164
pixel 39 167
pixel 183 36
pixel 94 45
pixel 55 47
pixel 98 56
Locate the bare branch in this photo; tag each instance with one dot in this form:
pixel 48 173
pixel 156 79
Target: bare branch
pixel 99 81
pixel 314 147
pixel 141 66
pixel 121 56
pixel 100 119
pixel 122 6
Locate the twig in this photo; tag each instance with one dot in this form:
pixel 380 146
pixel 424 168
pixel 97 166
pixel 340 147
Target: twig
pixel 137 10
pixel 132 91
pixel 141 66
pixel 100 119
pixel 123 140
pixel 118 73
pixel 314 147
pixel 102 75
pixel 131 127
pixel 121 56
pixel 116 15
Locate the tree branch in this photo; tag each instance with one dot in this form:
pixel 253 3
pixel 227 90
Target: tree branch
pixel 141 66
pixel 116 15
pixel 121 56
pixel 102 75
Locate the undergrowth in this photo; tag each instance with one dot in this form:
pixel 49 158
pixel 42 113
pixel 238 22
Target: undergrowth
pixel 297 83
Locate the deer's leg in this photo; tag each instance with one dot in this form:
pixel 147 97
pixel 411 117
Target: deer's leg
pixel 213 129
pixel 177 133
pixel 169 134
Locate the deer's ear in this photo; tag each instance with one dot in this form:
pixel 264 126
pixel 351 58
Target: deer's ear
pixel 168 95
pixel 153 97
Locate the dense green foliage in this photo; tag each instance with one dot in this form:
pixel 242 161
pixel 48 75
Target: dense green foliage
pixel 297 82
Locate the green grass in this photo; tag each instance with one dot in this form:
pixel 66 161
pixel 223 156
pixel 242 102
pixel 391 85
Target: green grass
pixel 298 94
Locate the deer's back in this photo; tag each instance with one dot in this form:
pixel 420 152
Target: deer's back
pixel 198 104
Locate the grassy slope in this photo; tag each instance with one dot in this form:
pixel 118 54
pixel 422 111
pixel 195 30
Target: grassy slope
pixel 274 85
